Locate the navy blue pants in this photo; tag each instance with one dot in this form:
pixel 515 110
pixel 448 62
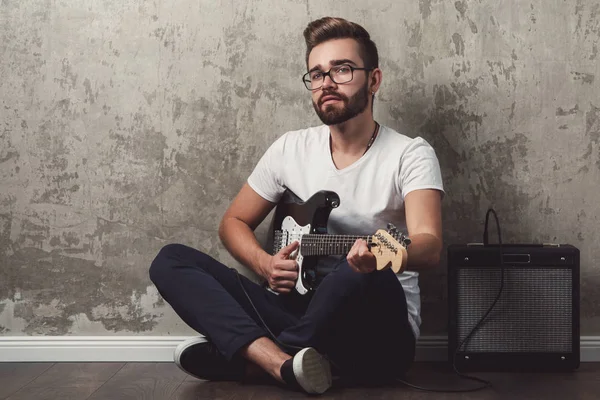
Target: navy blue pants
pixel 359 321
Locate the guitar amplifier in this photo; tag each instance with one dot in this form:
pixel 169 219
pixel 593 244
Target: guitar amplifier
pixel 534 325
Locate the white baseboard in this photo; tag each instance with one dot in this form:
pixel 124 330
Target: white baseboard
pixel 160 348
pixel 88 348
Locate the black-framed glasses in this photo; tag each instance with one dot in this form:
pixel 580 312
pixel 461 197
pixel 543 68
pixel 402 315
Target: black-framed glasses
pixel 339 74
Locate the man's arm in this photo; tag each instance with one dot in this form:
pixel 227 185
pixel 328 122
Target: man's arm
pixel 424 223
pixel 236 231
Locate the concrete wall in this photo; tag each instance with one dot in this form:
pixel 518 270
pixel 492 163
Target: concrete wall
pixel 129 125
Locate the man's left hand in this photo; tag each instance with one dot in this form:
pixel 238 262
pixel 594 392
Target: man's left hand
pixel 360 257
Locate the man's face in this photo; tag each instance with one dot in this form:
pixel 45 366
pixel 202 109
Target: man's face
pixel 337 103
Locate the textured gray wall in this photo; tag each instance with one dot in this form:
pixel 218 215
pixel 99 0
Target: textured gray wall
pixel 130 125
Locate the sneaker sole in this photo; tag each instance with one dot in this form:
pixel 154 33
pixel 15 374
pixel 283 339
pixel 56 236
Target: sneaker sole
pixel 312 371
pixel 181 348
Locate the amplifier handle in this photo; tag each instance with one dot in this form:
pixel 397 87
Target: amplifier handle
pixel 517 258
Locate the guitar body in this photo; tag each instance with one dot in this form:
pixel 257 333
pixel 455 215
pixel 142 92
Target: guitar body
pixel 294 217
pixel 306 222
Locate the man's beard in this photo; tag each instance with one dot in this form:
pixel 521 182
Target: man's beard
pixel 332 115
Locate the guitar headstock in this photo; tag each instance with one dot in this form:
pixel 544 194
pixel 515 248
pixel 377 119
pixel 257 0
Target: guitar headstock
pixel 389 248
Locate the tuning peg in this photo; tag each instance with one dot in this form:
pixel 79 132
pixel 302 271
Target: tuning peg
pixel 391 228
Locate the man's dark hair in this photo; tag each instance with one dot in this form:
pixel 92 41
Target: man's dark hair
pixel 328 28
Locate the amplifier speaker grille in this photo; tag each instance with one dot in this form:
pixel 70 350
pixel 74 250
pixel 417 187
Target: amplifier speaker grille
pixel 533 313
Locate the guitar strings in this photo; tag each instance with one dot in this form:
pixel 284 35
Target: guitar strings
pixel 325 244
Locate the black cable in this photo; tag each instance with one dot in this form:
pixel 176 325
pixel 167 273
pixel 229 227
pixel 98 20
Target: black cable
pixel 281 344
pixel 485 383
pixel 464 376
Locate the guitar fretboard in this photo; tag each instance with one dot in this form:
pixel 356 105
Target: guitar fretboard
pixel 321 245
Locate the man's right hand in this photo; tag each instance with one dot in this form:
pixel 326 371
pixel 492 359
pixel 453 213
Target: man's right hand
pixel 281 272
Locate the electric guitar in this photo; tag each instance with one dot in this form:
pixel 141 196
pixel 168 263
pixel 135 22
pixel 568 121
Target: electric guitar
pixel 306 222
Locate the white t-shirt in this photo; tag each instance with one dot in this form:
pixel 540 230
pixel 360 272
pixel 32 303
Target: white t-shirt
pixel 371 190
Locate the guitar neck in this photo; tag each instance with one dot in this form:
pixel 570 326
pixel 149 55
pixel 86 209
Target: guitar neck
pixel 323 245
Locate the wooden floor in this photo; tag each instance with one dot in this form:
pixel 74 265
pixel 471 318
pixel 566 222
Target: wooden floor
pixel 162 381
